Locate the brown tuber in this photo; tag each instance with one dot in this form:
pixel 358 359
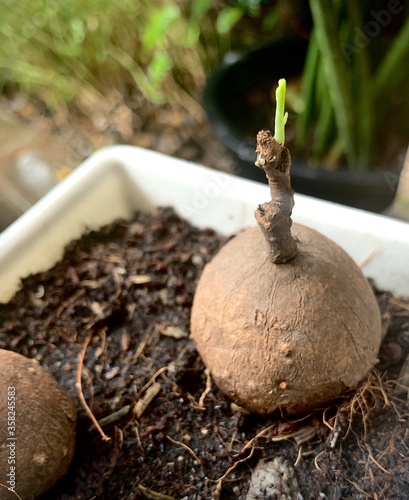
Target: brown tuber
pixel 282 316
pixel 37 428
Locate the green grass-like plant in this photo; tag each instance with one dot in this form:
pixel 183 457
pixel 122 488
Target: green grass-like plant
pixel 62 52
pixel 351 80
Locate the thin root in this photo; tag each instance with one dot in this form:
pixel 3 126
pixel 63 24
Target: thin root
pixel 316 461
pixel 299 456
pixel 6 488
pixel 358 488
pixel 371 457
pixel 252 441
pixel 373 394
pixel 81 394
pixel 231 469
pixel 186 447
pixel 207 390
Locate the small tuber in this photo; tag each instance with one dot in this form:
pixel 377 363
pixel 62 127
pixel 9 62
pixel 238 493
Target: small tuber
pixel 282 316
pixel 37 428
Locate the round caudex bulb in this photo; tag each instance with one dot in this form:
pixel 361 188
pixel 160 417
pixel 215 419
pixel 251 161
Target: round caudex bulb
pixel 282 316
pixel 37 428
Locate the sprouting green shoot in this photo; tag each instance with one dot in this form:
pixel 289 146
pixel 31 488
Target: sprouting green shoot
pixel 280 117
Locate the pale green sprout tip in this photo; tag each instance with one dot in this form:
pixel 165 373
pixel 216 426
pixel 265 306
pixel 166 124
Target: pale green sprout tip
pixel 280 116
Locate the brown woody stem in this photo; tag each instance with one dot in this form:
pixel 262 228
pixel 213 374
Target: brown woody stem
pixel 274 217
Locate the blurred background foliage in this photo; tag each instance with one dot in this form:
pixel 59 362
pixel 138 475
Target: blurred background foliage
pixel 355 105
pixel 72 52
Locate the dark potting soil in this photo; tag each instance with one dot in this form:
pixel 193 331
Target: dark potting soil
pixel 127 290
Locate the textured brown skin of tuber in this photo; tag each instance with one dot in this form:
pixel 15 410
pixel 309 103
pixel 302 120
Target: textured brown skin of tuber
pixel 45 419
pixel 284 326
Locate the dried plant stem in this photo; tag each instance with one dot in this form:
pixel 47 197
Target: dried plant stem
pixel 148 493
pixel 274 217
pixel 114 417
pixel 149 396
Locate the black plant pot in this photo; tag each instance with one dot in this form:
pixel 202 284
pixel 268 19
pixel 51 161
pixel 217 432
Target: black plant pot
pixel 234 100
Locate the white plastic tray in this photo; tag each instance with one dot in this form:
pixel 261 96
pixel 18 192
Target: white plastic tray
pixel 118 180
